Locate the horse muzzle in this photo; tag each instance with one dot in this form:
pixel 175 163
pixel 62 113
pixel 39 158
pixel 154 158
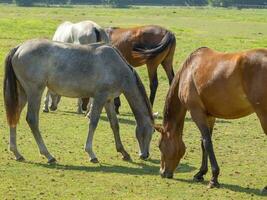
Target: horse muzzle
pixel 166 174
pixel 144 156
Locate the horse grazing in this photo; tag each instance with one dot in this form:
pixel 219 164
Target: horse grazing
pixel 76 71
pixel 85 32
pixel 211 85
pixel 150 45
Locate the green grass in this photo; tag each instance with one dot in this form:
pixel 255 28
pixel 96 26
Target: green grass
pixel 240 145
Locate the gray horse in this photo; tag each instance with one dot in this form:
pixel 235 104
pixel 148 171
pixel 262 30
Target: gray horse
pixel 85 32
pixel 76 71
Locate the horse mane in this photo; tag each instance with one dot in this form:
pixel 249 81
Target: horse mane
pixel 140 86
pixel 172 101
pixel 141 50
pixel 144 95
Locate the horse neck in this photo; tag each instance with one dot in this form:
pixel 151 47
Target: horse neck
pixel 140 112
pixel 139 103
pixel 174 110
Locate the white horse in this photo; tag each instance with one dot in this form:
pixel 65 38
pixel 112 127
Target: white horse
pixel 85 32
pixel 77 71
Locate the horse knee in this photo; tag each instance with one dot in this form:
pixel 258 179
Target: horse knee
pixel 93 122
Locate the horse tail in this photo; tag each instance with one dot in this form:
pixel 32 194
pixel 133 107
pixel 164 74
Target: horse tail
pixel 144 95
pixel 11 97
pixel 101 35
pixel 143 52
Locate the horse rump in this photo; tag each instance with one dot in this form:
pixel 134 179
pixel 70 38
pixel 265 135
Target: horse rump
pixel 140 50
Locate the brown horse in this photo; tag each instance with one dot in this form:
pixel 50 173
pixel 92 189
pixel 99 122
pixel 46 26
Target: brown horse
pixel 211 85
pixel 150 45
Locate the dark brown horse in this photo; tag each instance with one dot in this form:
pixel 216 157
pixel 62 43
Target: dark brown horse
pixel 150 45
pixel 211 85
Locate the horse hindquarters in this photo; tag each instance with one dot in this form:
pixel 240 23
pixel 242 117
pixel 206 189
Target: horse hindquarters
pixel 254 83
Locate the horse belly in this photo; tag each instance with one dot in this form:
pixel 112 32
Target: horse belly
pixel 72 86
pixel 227 103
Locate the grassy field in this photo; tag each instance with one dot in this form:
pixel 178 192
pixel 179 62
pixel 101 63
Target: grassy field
pixel 241 145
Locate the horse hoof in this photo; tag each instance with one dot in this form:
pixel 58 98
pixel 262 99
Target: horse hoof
pixel 213 184
pixel 52 161
pixel 45 110
pixel 53 108
pixel 264 191
pixel 126 158
pixel 198 179
pixel 20 159
pixel 94 160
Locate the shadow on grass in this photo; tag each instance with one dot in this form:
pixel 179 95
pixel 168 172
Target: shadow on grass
pixel 102 117
pixel 144 169
pixel 68 112
pixel 234 188
pixel 187 119
pixel 121 120
pixel 140 169
pixel 132 122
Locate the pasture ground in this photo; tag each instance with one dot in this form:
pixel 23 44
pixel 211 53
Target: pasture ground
pixel 240 145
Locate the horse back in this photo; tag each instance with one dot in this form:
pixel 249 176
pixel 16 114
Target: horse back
pixel 64 33
pixel 68 69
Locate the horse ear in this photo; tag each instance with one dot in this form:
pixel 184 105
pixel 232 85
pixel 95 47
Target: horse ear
pixel 159 128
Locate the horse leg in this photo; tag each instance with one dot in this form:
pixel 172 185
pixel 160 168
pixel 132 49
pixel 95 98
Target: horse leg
pixel 153 79
pixel 111 113
pixel 46 101
pixel 202 122
pixel 168 68
pixel 55 98
pixel 262 115
pixel 32 119
pixel 117 103
pixel 89 108
pixel 85 102
pixel 79 106
pixel 13 132
pixel 98 104
pixel 167 63
pixel 198 177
